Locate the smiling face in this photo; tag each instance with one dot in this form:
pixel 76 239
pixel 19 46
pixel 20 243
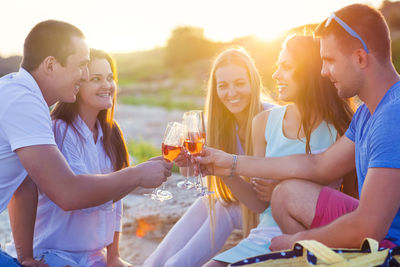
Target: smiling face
pixel 288 87
pixel 233 87
pixel 339 67
pixel 98 92
pixel 68 79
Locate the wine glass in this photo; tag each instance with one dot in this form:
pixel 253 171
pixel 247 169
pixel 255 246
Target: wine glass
pixel 194 140
pixel 186 120
pixel 171 147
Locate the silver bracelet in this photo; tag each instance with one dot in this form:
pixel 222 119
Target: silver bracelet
pixel 233 168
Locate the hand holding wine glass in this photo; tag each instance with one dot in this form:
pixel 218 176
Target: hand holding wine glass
pixel 213 161
pixel 171 148
pixel 156 171
pixel 195 138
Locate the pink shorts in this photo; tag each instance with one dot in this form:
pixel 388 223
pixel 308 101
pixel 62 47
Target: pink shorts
pixel 332 204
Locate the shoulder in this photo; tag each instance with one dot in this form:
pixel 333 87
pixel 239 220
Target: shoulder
pixel 16 96
pixel 64 134
pixel 59 125
pixel 389 110
pixel 18 84
pixel 384 128
pixel 261 118
pixel 388 117
pixel 361 112
pixel 361 115
pixel 268 105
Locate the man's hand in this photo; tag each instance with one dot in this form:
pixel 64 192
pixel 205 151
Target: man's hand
pixel 282 242
pixel 214 162
pixel 264 187
pixel 30 262
pixel 155 172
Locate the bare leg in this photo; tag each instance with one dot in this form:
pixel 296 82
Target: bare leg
pixel 213 263
pixel 293 205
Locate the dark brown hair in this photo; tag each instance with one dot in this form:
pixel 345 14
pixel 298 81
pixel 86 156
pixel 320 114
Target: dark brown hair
pixel 49 38
pixel 113 140
pixel 367 22
pixel 317 98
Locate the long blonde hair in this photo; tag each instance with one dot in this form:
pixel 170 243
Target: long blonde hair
pixel 221 129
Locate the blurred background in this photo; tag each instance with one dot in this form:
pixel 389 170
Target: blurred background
pixel 164 51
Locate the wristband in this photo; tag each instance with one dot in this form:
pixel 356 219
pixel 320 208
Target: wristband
pixel 233 168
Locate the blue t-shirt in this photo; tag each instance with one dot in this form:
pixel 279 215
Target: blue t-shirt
pixel 377 142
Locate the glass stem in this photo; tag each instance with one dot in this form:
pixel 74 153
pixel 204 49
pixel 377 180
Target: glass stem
pixel 187 171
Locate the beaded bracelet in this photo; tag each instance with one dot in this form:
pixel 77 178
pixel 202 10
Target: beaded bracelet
pixel 233 168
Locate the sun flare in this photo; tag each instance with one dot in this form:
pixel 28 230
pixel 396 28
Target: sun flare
pixel 125 26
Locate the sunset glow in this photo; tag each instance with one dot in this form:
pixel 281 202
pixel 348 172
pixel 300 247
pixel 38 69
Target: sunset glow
pixel 125 26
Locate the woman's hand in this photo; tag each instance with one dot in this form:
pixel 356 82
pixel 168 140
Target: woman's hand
pixel 118 262
pixel 264 187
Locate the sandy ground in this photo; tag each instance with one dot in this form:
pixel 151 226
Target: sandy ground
pixel 159 217
pixel 151 218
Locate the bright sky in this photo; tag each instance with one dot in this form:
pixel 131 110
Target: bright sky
pixel 130 25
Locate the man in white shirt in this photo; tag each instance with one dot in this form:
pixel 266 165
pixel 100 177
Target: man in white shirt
pixel 55 61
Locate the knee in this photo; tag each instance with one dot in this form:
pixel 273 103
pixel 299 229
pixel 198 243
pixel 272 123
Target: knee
pixel 283 194
pixel 280 200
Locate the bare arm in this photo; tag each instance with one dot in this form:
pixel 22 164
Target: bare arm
pixel 22 212
pixel 51 173
pixel 379 203
pixel 113 248
pixel 321 168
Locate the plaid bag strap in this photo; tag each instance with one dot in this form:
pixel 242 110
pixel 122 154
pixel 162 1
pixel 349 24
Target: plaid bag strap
pixel 322 252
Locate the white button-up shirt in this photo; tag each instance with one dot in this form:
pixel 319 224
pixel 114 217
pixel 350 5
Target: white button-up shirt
pixel 86 230
pixel 24 121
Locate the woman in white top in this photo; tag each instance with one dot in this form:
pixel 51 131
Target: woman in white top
pixel 91 142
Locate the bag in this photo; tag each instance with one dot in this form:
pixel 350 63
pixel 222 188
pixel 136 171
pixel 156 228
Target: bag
pixel 314 253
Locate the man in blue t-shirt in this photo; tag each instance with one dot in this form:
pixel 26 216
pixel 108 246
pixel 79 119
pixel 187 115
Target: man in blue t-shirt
pixel 356 54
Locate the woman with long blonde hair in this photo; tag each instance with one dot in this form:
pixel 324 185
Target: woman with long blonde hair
pixel 234 97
